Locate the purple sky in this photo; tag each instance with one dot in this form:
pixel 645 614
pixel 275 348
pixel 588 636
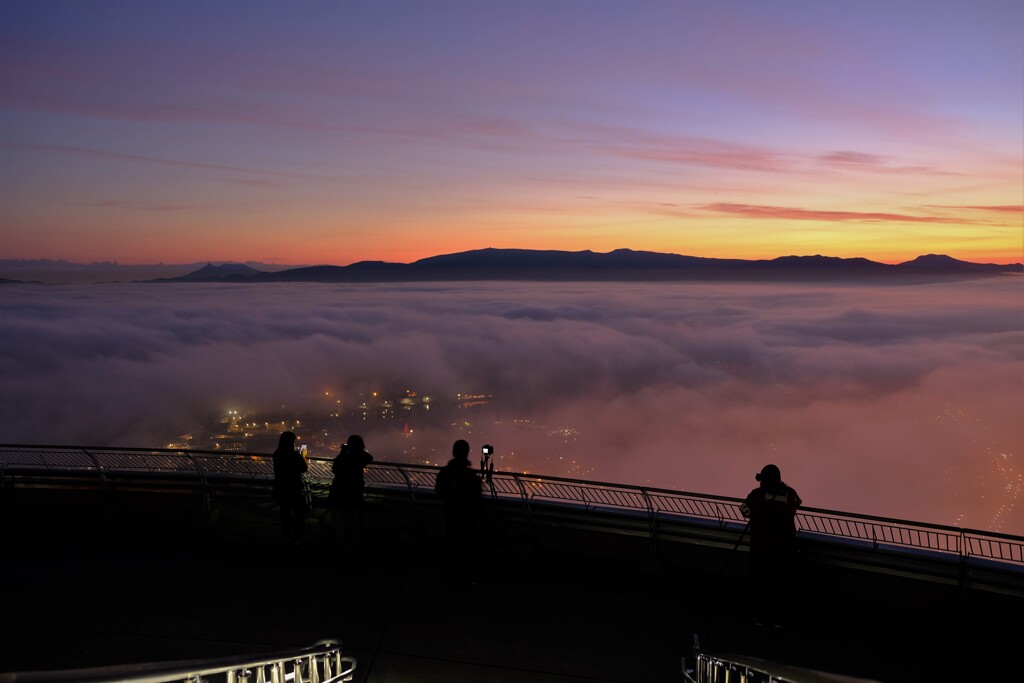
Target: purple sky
pixel 311 132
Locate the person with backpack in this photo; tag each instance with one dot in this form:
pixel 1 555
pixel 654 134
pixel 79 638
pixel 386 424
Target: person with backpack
pixel 771 509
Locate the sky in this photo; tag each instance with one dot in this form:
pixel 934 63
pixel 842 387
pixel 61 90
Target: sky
pixel 870 398
pixel 333 132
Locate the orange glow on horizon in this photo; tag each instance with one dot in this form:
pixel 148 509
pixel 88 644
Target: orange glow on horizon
pixel 413 252
pixel 984 228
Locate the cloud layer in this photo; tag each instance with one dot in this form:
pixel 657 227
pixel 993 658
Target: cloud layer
pixel 898 401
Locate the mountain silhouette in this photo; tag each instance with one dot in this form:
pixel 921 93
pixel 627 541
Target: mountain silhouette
pixel 617 265
pixel 942 263
pixel 212 273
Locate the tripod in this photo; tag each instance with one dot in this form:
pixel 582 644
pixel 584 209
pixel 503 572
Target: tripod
pixel 716 584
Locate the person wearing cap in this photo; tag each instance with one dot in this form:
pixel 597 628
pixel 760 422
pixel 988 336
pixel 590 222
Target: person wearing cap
pixel 771 511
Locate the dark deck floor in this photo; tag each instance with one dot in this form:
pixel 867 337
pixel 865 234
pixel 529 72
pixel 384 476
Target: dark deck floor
pixel 84 588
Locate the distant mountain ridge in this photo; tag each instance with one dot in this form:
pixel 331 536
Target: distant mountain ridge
pixel 617 265
pixel 58 271
pixel 210 272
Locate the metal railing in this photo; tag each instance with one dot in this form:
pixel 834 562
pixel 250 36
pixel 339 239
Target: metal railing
pixel 665 504
pixel 212 469
pixel 711 667
pixel 321 662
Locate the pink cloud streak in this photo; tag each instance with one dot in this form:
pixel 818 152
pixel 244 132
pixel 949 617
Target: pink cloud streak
pixel 999 209
pixel 794 213
pixel 876 163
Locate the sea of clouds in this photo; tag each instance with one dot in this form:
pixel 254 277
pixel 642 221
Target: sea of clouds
pixel 900 401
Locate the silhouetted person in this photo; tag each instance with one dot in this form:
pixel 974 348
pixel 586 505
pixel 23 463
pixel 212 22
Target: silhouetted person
pixel 771 509
pixel 289 466
pixel 346 497
pixel 458 486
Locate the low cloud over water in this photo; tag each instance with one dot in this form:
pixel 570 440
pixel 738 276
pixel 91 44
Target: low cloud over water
pixel 893 400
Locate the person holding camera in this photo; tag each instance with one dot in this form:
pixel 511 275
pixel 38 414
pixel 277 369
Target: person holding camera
pixel 771 511
pixel 458 487
pixel 289 491
pixel 346 496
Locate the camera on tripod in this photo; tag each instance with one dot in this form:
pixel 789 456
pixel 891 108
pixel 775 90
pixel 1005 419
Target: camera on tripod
pixel 486 463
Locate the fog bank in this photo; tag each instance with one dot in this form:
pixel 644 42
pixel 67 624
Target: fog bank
pixel 898 401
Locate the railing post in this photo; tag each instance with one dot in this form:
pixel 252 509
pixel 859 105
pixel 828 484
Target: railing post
pixel 524 496
pixel 583 498
pixel 313 670
pixel 102 473
pixel 522 489
pixel 408 482
pixel 202 478
pixel 650 518
pixel 103 481
pixel 329 669
pixel 964 552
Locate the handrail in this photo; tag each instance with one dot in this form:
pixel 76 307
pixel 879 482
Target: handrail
pixel 712 667
pixel 321 662
pixel 593 496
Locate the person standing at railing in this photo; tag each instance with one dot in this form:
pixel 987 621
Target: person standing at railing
pixel 346 496
pixel 771 511
pixel 459 488
pixel 289 466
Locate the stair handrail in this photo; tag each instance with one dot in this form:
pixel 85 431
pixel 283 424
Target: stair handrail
pixel 322 662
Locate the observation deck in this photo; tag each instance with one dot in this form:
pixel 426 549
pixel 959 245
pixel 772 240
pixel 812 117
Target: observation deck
pixel 114 556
